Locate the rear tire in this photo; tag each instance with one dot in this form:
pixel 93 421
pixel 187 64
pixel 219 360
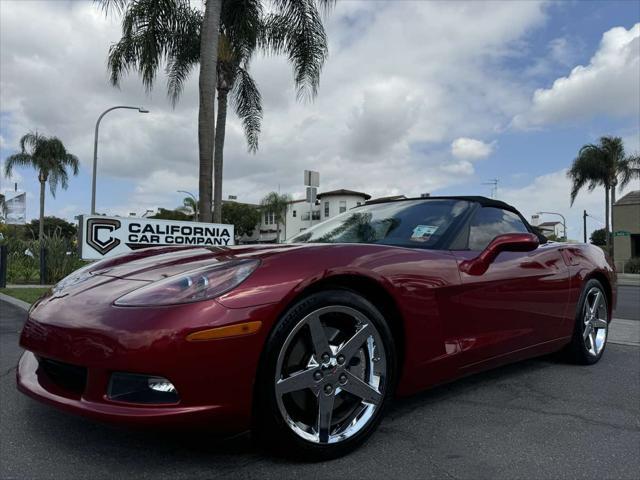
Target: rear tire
pixel 591 325
pixel 327 375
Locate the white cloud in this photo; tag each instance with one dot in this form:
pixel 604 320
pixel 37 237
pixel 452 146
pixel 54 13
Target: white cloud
pixel 403 81
pixel 607 86
pixel 471 149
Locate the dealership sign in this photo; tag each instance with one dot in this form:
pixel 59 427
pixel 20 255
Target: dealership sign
pixel 101 237
pixel 16 209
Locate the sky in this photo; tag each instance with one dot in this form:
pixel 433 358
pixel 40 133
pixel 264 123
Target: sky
pixel 415 97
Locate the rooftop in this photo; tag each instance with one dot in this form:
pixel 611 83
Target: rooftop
pixel 549 224
pixel 631 198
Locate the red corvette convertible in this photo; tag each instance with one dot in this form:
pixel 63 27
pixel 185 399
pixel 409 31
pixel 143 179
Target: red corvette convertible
pixel 306 343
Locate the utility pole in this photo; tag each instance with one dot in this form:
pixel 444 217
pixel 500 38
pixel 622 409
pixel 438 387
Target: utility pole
pixel 494 186
pixel 584 225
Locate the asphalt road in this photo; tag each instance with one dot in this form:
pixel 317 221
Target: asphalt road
pixel 533 420
pixel 628 306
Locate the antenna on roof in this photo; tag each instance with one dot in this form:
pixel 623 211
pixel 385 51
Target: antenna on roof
pixel 494 186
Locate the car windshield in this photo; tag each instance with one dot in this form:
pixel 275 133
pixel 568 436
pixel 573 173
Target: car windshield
pixel 412 223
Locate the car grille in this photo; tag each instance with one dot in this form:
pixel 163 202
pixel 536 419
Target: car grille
pixel 69 377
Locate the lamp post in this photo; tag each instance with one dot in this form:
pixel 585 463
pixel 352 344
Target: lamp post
pixel 95 151
pixel 195 200
pixel 564 221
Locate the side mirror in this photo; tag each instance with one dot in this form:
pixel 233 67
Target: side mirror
pixel 508 242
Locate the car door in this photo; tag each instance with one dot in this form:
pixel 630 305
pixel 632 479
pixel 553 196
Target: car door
pixel 518 302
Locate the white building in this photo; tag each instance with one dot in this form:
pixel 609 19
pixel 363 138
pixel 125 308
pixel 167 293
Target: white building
pixel 548 228
pixel 302 215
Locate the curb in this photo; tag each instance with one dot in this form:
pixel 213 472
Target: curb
pixel 15 302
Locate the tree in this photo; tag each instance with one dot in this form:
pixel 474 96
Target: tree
pixel 52 226
pixel 245 218
pixel 173 31
pixel 49 157
pixel 154 30
pixel 599 237
pixel 276 204
pixel 606 165
pixel 3 207
pixel 166 214
pixel 190 205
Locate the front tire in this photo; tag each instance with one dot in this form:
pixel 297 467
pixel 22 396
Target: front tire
pixel 591 326
pixel 327 375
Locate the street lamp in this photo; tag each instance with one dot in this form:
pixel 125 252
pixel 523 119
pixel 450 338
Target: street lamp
pixel 564 221
pixel 195 202
pixel 95 151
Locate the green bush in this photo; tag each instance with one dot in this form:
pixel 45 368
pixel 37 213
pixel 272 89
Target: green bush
pixel 632 265
pixel 23 259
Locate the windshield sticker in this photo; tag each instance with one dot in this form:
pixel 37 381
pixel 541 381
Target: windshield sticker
pixel 422 233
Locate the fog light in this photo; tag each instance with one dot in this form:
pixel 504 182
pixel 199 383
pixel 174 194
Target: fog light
pixel 137 388
pixel 160 384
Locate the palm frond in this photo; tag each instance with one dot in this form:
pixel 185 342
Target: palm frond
pixel 30 141
pixel 109 6
pixel 241 24
pixel 296 30
pixel 154 31
pixel 629 170
pixel 17 160
pixel 248 106
pixel 58 176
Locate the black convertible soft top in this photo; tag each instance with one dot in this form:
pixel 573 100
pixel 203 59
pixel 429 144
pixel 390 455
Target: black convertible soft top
pixel 483 201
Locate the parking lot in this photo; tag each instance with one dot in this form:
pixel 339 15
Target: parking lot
pixel 537 419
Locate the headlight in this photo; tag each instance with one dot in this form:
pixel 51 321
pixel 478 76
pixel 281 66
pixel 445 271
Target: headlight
pixel 192 286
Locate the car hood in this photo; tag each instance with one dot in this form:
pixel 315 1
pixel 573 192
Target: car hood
pixel 153 264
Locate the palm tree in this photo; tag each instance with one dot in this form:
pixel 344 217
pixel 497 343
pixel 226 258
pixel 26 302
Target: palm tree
pixel 276 204
pixel 170 30
pixel 171 22
pixel 49 157
pixel 190 206
pixel 606 165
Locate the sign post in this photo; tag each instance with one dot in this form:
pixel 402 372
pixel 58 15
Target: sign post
pixel 101 237
pixel 312 182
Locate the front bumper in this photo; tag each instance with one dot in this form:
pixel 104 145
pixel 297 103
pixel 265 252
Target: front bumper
pixel 214 379
pixel 29 382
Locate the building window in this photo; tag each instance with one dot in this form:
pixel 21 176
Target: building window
pixel 269 218
pixel 294 214
pixel 326 209
pixel 315 215
pixel 635 246
pixel 358 204
pixel 343 206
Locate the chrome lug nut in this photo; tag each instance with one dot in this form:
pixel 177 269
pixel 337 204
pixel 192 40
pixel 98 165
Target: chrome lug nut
pixel 343 379
pixel 340 359
pixel 328 389
pixel 325 357
pixel 317 375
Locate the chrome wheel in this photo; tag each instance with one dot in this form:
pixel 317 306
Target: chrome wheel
pixel 595 321
pixel 331 375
